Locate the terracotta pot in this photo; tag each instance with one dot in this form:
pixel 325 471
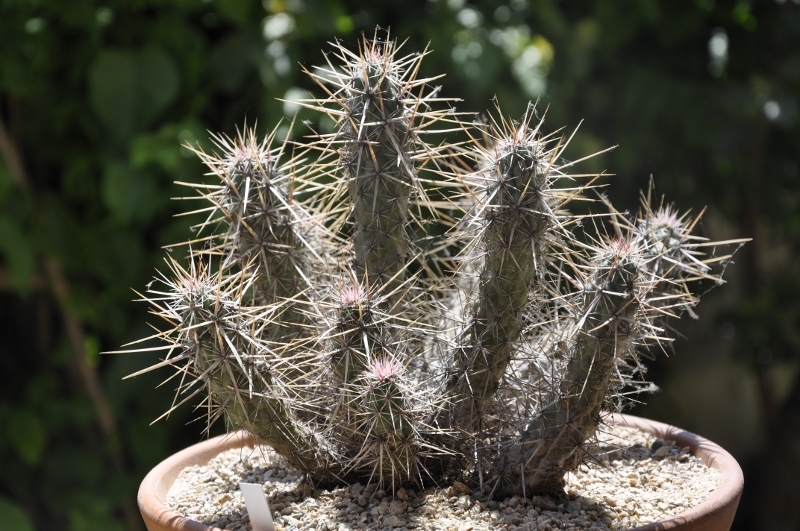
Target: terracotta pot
pixel 714 514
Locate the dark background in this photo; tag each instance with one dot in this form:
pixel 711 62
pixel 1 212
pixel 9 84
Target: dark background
pixel 96 99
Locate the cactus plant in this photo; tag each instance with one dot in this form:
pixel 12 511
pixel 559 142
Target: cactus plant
pixel 380 308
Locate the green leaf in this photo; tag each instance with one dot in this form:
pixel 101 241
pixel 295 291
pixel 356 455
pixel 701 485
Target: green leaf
pixel 741 14
pixel 158 81
pixel 27 435
pixel 128 89
pixel 238 11
pixel 164 147
pixel 112 90
pixel 13 517
pixel 233 58
pixel 19 255
pixel 344 24
pixel 127 194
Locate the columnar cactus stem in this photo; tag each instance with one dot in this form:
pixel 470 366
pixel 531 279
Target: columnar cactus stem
pixel 263 225
pixel 373 417
pixel 391 445
pixel 222 346
pixel 377 141
pixel 515 217
pixel 354 334
pixel 554 441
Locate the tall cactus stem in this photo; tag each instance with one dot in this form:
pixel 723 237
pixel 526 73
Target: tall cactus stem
pixel 554 441
pixel 376 157
pixel 515 217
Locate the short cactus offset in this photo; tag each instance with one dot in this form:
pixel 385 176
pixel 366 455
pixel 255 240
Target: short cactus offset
pixel 380 308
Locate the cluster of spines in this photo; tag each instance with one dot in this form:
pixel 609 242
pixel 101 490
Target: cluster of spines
pixel 372 418
pixel 375 379
pixel 266 232
pixel 626 290
pixel 381 110
pixel 217 344
pixel 507 229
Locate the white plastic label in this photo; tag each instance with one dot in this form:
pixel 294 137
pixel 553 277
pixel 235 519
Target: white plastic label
pixel 257 507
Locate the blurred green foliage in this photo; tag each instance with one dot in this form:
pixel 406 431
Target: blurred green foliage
pixel 98 98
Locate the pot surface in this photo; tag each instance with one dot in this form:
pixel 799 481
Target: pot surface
pixel 713 514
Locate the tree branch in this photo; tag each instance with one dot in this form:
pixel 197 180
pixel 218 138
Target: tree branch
pixel 11 155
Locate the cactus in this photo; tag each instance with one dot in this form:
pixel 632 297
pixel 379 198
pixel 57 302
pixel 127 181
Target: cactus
pixel 381 308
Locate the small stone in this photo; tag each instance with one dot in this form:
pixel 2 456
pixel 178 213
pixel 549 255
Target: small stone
pixel 658 443
pixel 401 494
pixel 461 488
pixel 391 521
pixel 542 501
pixel 224 498
pixel 661 452
pixel 397 507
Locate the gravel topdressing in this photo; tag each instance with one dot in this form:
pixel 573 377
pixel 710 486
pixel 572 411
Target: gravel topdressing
pixel 632 480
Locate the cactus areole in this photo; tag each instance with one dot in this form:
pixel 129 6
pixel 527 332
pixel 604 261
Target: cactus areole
pixel 379 304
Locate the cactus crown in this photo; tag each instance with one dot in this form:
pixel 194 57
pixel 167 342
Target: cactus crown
pixel 325 316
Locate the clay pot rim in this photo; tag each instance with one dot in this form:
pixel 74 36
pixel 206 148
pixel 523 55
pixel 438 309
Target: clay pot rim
pixel 720 506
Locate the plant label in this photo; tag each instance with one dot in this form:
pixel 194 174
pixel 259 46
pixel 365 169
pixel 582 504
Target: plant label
pixel 257 507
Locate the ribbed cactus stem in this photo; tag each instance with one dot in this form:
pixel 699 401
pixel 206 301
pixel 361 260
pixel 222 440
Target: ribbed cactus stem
pixel 385 402
pixel 355 334
pixel 515 221
pixel 263 224
pixel 355 339
pixel 372 416
pixel 554 441
pixel 227 358
pixel 267 418
pixel 378 166
pixel 391 439
pixel 264 228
